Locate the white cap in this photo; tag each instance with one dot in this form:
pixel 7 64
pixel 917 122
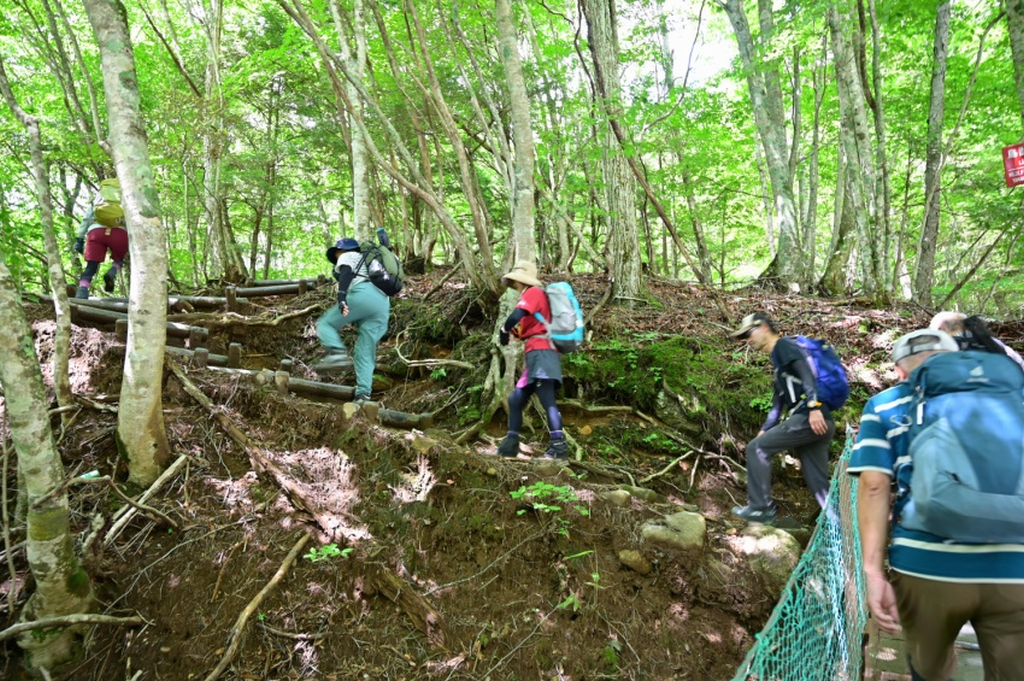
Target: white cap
pixel 923 340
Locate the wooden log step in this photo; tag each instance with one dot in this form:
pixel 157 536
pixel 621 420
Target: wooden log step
pixel 80 313
pixel 278 290
pixel 200 357
pixel 316 390
pixel 310 283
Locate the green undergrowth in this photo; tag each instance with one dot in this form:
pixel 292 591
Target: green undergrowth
pixel 705 382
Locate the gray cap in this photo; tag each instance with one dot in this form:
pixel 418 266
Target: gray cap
pixel 923 340
pixel 749 323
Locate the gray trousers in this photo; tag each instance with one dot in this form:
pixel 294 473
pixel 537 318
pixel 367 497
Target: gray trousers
pixel 792 434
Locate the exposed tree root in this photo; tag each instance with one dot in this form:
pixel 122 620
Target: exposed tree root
pixel 67 621
pixel 236 631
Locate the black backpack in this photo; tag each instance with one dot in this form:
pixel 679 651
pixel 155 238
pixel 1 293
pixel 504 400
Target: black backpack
pixel 976 336
pixel 384 267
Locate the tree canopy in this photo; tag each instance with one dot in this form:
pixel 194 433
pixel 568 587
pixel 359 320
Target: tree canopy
pixel 251 110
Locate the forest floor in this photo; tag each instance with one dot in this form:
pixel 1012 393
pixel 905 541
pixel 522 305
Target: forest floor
pixel 312 542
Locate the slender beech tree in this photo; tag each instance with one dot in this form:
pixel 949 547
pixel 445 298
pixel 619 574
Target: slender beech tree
pixel 62 585
pixel 763 83
pixel 856 141
pixel 140 435
pixel 521 191
pixel 225 259
pixel 62 308
pixel 355 60
pixel 619 183
pixel 925 273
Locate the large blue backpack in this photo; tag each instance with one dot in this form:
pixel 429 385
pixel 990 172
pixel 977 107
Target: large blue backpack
pixel 565 330
pixel 829 374
pixel 967 448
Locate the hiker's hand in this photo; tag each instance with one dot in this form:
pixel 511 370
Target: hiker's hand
pixel 882 603
pixel 79 246
pixel 503 337
pixel 344 309
pixel 817 421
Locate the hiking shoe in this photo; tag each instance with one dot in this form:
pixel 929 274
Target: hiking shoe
pixel 335 360
pixel 82 293
pixel 509 447
pixel 359 398
pixel 557 449
pixel 109 279
pixel 759 516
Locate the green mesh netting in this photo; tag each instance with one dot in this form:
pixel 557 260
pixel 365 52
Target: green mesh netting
pixel 814 633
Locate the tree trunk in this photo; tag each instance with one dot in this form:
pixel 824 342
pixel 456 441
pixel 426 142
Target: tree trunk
pixel 766 99
pixel 140 423
pixel 884 190
pixel 62 586
pixel 361 217
pixel 62 309
pixel 924 276
pixel 623 234
pixel 855 137
pixel 522 190
pixel 835 281
pixel 225 262
pixel 1015 26
pixel 810 218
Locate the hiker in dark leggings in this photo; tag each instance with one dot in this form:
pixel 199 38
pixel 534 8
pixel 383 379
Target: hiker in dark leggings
pixel 543 372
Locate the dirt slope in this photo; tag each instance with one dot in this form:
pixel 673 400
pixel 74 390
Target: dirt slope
pixel 424 559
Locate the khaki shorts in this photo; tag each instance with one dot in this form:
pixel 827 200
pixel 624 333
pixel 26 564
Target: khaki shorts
pixel 933 612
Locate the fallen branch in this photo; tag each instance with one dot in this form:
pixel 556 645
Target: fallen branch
pixel 236 631
pixel 210 320
pixel 261 463
pixel 441 283
pixel 125 513
pixel 154 514
pixel 296 637
pixel 67 621
pixel 595 409
pixel 431 362
pixel 415 606
pixel 667 468
pixel 148 510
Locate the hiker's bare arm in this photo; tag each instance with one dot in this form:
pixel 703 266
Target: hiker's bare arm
pixel 873 521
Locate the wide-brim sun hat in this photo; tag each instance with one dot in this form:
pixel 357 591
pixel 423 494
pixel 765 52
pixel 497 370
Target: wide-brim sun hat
pixel 524 272
pixel 342 245
pixel 749 323
pixel 923 340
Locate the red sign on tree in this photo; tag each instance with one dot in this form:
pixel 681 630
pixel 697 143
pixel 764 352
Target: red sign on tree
pixel 1013 163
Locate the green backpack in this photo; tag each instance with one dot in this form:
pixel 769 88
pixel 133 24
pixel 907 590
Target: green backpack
pixel 384 267
pixel 107 209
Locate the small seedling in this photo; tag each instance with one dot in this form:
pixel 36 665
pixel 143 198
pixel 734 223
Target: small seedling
pixel 326 552
pixel 540 493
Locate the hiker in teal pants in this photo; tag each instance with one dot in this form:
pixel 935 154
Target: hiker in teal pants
pixel 360 303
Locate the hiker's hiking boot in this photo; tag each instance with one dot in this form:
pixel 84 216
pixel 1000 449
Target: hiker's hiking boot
pixel 558 448
pixel 360 398
pixel 509 447
pixel 82 293
pixel 756 516
pixel 109 279
pixel 334 361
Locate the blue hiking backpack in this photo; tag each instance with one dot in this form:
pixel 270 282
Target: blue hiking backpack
pixel 565 330
pixel 967 448
pixel 829 374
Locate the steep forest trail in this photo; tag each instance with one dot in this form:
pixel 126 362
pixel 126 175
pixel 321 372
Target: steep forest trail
pixel 312 540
